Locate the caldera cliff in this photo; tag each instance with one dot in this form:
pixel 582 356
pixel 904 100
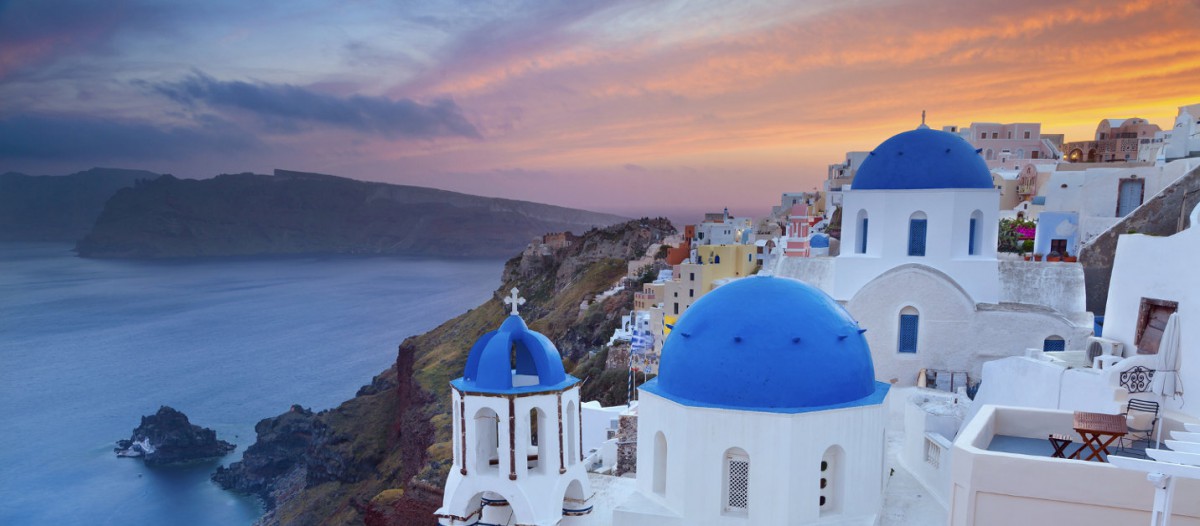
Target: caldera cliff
pixel 304 213
pixel 381 458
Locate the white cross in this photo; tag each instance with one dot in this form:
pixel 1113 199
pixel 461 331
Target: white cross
pixel 514 300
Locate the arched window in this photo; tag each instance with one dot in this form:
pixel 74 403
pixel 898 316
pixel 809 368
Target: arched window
pixel 918 225
pixel 990 155
pixel 1054 343
pixel 660 463
pixel 974 233
pixel 909 321
pixel 573 437
pixel 1020 153
pixel 717 259
pixel 487 441
pixel 737 482
pixel 831 480
pixel 861 246
pixel 538 440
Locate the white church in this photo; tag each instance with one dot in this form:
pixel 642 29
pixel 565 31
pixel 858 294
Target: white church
pixel 517 432
pixel 919 269
pixel 765 411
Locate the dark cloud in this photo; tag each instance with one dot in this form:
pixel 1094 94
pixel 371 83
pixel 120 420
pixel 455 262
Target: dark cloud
pixel 37 33
pixel 284 104
pixel 66 138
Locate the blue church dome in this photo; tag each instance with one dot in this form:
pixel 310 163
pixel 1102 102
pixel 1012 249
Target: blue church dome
pixel 923 159
pixel 490 367
pixel 819 241
pixel 767 344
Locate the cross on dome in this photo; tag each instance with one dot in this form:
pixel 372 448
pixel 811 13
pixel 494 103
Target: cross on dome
pixel 515 300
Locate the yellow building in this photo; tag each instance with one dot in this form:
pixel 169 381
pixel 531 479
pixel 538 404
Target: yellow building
pixel 712 263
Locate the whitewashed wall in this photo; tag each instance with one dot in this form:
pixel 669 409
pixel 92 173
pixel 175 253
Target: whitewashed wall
pixel 785 454
pixel 1161 268
pixel 948 212
pixel 953 333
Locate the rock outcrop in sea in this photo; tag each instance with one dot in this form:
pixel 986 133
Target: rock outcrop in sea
pixel 167 437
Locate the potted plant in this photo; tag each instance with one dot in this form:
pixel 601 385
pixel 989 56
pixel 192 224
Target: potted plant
pixel 1027 246
pixel 1037 256
pixel 1068 258
pixel 1027 256
pixel 1053 256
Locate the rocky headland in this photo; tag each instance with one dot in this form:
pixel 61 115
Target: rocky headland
pixel 304 213
pixel 168 438
pixel 58 208
pixel 381 458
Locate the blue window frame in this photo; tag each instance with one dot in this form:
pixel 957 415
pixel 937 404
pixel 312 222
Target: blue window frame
pixel 908 333
pixel 862 248
pixel 1054 344
pixel 916 237
pixel 971 239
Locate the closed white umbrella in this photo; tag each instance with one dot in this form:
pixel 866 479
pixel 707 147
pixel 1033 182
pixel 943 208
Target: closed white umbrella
pixel 1166 378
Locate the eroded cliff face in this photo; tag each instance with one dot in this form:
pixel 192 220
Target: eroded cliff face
pixel 381 458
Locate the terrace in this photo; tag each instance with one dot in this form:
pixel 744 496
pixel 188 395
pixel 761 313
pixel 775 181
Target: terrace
pixel 1002 473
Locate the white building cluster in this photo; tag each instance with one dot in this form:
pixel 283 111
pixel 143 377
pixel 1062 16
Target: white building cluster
pixel 802 396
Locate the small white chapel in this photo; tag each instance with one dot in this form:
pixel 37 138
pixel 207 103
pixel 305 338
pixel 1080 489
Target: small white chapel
pixel 765 411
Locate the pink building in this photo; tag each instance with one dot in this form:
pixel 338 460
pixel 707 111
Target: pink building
pixel 798 230
pixel 1011 146
pixel 1117 140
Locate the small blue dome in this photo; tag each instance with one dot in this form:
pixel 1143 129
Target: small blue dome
pixel 923 159
pixel 768 344
pixel 819 241
pixel 490 368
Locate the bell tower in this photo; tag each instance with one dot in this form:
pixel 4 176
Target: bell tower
pixel 518 455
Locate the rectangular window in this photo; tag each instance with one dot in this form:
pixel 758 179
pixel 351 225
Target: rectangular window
pixel 1026 134
pixel 862 248
pixel 1054 345
pixel 908 333
pixel 676 308
pixel 916 237
pixel 971 239
pixel 995 135
pixel 691 293
pixel 692 276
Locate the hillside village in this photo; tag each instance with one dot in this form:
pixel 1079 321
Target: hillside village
pixel 966 326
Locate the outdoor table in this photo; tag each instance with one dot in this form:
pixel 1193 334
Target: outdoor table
pixel 1098 431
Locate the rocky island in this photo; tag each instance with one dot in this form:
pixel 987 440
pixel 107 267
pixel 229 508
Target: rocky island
pixel 167 438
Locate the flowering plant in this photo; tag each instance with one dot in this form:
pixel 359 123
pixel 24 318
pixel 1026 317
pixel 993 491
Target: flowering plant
pixel 1013 233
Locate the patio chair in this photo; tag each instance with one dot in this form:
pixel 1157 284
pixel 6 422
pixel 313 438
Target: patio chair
pixel 1141 416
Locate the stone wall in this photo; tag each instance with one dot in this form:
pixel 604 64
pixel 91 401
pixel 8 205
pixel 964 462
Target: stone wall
pixel 626 445
pixel 1163 215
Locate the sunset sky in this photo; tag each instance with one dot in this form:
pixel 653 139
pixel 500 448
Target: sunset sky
pixel 633 107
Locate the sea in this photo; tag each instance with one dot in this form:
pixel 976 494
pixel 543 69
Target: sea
pixel 87 347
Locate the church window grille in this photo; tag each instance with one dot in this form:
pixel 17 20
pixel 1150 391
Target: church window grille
pixel 909 322
pixel 737 479
pixel 917 228
pixel 1053 344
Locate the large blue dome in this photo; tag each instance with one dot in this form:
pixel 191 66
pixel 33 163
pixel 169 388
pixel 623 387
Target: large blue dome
pixel 490 367
pixel 768 344
pixel 923 159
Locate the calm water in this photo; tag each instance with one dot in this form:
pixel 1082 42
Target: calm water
pixel 88 346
